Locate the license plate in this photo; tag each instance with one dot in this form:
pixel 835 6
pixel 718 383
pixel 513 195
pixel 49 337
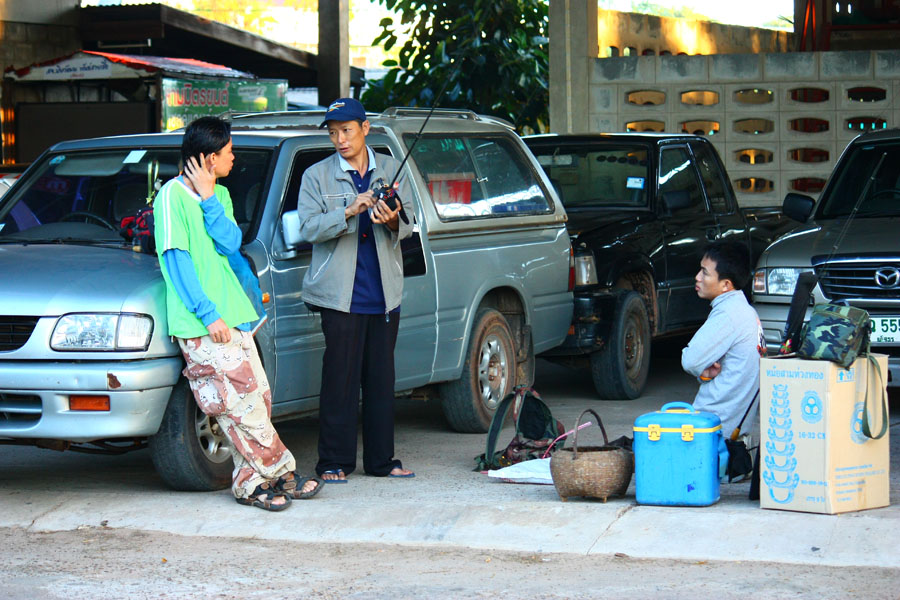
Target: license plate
pixel 885 330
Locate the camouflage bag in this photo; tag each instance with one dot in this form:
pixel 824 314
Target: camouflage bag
pixel 835 333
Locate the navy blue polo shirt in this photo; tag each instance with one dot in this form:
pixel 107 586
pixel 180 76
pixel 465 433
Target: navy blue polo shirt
pixel 368 292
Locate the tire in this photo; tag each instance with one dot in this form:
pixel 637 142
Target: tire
pixel 189 451
pixel 488 375
pixel 620 368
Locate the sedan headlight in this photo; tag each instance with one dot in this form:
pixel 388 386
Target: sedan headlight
pixel 109 331
pixel 778 281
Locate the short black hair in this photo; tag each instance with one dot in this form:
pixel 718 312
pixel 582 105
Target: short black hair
pixel 206 135
pixel 732 261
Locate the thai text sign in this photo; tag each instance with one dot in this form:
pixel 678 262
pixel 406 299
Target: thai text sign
pixel 186 99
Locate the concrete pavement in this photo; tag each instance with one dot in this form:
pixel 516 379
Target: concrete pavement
pixel 448 504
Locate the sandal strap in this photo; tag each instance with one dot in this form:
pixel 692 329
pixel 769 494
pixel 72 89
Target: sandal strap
pixel 269 493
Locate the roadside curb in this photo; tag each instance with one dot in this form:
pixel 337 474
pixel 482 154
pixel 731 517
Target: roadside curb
pixel 731 530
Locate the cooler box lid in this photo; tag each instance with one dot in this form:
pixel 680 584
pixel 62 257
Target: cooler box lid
pixel 677 417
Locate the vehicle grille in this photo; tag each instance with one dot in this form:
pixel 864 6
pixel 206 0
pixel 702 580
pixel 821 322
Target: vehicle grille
pixel 19 409
pixel 15 331
pixel 843 280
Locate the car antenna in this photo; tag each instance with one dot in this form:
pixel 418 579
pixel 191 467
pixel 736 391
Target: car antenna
pixel 386 192
pixel 840 237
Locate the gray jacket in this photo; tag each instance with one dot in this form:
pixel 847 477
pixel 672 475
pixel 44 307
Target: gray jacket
pixel 325 191
pixel 732 336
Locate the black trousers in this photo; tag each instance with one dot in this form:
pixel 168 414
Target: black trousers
pixel 359 353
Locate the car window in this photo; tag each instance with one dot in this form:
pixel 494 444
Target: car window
pixel 717 192
pixel 588 175
pixel 477 176
pixel 873 169
pixel 91 195
pixel 679 187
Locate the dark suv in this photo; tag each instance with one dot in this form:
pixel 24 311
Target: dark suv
pixel 862 201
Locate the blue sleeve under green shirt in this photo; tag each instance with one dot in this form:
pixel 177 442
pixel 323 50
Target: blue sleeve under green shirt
pixel 227 238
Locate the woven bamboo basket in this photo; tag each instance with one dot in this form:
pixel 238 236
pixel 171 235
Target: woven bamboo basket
pixel 591 471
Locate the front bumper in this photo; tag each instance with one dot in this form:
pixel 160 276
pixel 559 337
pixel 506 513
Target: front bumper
pixel 591 324
pixel 773 317
pixel 34 398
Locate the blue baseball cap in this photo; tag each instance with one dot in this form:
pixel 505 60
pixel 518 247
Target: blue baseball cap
pixel 344 109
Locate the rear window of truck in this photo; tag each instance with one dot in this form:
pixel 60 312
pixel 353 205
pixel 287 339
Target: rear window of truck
pixel 473 176
pixel 590 175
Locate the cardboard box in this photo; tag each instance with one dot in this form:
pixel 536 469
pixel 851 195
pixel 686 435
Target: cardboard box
pixel 813 454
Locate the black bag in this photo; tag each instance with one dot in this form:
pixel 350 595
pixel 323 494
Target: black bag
pixel 536 431
pixel 740 463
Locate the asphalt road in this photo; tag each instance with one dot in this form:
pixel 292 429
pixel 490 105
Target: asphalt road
pixel 78 526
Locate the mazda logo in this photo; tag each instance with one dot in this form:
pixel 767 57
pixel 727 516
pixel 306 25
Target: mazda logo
pixel 887 277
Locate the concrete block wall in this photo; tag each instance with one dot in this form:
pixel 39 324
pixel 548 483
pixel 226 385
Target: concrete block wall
pixel 836 73
pixel 27 43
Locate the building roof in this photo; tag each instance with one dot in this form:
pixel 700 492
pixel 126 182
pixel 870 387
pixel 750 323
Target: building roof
pixel 88 64
pixel 156 29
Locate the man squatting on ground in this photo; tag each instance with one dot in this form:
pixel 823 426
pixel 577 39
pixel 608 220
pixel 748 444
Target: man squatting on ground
pixel 355 280
pixel 210 315
pixel 724 353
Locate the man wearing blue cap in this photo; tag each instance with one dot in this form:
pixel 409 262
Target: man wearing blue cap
pixel 355 281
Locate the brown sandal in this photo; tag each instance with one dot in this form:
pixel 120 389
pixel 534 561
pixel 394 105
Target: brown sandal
pixel 293 487
pixel 262 498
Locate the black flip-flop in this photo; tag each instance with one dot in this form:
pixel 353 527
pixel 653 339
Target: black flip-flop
pixel 262 498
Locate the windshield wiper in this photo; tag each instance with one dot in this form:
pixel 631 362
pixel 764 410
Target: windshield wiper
pixel 12 239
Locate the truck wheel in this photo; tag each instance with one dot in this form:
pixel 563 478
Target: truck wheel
pixel 189 451
pixel 619 369
pixel 488 375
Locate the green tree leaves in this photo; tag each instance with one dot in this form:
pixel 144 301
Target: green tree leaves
pixel 493 56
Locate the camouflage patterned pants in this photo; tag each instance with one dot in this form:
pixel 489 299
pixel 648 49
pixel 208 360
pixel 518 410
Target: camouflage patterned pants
pixel 229 384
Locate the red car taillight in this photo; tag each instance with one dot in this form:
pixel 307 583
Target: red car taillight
pixel 571 268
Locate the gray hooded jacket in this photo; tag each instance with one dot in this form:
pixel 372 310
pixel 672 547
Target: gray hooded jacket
pixel 325 191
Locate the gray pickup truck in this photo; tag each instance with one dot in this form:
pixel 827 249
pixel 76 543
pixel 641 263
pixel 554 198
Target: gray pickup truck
pixel 862 201
pixel 85 362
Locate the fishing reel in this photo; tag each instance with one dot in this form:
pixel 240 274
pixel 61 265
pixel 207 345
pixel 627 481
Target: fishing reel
pixel 386 193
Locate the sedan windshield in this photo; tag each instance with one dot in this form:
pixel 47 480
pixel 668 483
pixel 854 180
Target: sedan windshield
pixel 870 176
pixel 94 196
pixel 591 175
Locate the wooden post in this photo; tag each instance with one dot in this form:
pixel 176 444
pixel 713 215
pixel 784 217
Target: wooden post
pixel 333 62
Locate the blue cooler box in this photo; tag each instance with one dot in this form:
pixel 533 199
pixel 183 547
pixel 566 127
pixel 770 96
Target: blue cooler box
pixel 676 456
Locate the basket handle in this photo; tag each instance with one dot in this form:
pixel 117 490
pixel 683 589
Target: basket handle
pixel 578 422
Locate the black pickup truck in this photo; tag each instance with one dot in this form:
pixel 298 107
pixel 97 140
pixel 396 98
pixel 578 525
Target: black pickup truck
pixel 641 208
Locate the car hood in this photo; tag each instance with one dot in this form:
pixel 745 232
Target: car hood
pixel 815 241
pixel 54 279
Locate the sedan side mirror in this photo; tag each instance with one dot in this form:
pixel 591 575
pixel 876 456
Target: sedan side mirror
pixel 798 206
